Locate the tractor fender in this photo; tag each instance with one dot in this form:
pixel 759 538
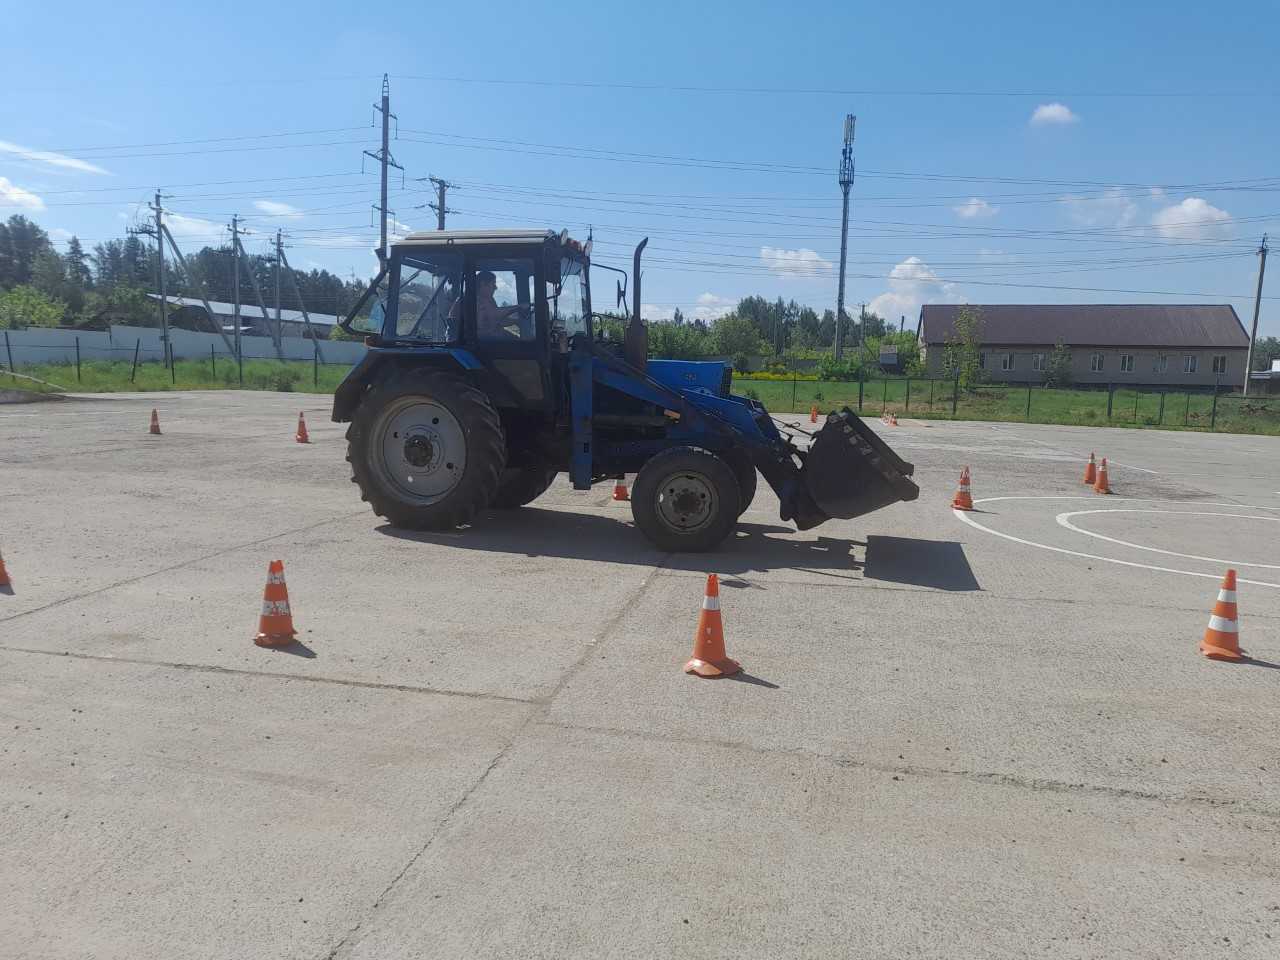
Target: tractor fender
pixel 379 363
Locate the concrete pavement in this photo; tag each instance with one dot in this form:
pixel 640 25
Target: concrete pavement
pixel 952 740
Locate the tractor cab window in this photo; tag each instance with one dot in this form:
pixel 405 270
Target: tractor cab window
pixel 568 302
pixel 504 300
pixel 430 289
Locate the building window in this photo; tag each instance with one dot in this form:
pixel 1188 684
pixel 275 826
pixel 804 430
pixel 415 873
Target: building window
pixel 1162 363
pixel 1006 361
pixel 1190 363
pixel 1039 362
pixel 1126 363
pixel 1095 362
pixel 1220 363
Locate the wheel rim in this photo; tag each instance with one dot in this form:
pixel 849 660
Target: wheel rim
pixel 687 502
pixel 420 449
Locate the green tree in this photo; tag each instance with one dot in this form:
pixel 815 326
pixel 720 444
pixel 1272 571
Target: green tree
pixel 122 303
pixel 1058 371
pixel 964 348
pixel 678 341
pixel 737 337
pixel 21 242
pixel 1264 351
pixel 77 265
pixel 25 306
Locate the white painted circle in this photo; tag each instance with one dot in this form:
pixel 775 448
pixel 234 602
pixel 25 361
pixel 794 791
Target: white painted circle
pixel 965 517
pixel 1064 519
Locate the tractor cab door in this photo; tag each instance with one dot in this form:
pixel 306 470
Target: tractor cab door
pixel 508 319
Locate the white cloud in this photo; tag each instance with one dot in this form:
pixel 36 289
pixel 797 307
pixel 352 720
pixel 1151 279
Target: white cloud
pixel 397 230
pixel 274 208
pixel 1113 208
pixel 194 228
pixel 1048 114
pixel 651 312
pixel 12 195
pixel 794 263
pixel 1192 219
pixel 58 235
pixel 710 306
pixel 911 283
pixel 50 159
pixel 975 208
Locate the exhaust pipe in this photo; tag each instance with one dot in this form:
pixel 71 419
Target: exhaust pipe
pixel 635 343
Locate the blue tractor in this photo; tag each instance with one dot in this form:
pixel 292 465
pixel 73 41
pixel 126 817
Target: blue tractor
pixel 488 374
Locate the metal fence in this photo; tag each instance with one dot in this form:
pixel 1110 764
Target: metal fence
pixel 1214 409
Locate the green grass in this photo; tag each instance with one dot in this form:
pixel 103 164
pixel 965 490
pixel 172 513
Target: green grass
pixel 112 376
pixel 998 402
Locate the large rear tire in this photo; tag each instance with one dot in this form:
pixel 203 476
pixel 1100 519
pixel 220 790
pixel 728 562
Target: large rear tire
pixel 427 450
pixel 745 471
pixel 522 485
pixel 685 500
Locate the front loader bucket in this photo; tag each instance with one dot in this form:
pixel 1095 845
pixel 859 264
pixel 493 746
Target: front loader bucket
pixel 850 471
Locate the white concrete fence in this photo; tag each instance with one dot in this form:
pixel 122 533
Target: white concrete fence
pixel 21 348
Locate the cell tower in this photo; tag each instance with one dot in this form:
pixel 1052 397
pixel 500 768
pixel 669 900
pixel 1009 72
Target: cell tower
pixel 846 181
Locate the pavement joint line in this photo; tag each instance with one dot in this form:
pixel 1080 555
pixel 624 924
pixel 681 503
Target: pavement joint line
pixel 178 566
pixel 990 778
pixel 607 629
pixel 269 674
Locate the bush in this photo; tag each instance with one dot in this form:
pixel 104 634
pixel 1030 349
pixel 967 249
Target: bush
pixel 830 368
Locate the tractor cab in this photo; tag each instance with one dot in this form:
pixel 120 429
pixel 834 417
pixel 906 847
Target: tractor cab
pixel 508 301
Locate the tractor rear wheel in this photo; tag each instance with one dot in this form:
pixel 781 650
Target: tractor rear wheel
pixel 522 485
pixel 427 450
pixel 685 499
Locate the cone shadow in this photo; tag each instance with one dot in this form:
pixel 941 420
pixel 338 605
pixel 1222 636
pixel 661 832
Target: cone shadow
pixel 743 677
pixel 295 649
pixel 1249 661
pixel 7 590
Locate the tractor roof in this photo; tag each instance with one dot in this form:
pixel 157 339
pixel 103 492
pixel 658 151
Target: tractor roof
pixel 448 238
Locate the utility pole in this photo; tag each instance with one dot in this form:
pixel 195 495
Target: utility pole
pixel 862 326
pixel 1257 306
pixel 279 248
pixel 235 278
pixel 164 312
pixel 846 181
pixel 384 158
pixel 439 206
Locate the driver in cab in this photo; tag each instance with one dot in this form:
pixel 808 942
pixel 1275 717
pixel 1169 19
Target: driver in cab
pixel 492 321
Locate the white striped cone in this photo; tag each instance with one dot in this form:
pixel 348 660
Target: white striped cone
pixel 1222 636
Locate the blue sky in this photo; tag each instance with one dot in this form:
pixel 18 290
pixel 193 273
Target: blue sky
pixel 1028 153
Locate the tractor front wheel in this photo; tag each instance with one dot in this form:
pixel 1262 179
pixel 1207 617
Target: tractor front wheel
pixel 427 450
pixel 685 499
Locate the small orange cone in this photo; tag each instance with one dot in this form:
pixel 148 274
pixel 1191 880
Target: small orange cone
pixel 1222 636
pixel 1091 470
pixel 813 413
pixel 155 422
pixel 302 429
pixel 963 499
pixel 893 419
pixel 709 659
pixel 620 489
pixel 1101 485
pixel 275 626
pixel 4 574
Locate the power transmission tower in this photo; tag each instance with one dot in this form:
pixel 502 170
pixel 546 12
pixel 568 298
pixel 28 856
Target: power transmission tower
pixel 235 279
pixel 384 158
pixel 1257 306
pixel 302 306
pixel 439 206
pixel 846 181
pixel 164 313
pixel 257 293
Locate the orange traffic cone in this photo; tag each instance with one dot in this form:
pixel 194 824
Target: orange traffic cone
pixel 1222 636
pixel 1101 485
pixel 620 489
pixel 4 574
pixel 275 627
pixel 155 422
pixel 893 419
pixel 709 658
pixel 302 429
pixel 963 499
pixel 813 413
pixel 1091 470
